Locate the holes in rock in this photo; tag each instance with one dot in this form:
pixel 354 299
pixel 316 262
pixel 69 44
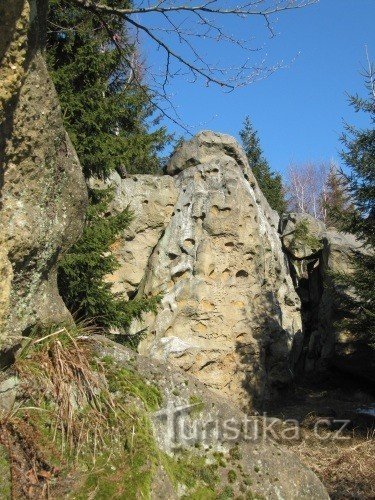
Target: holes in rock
pixel 145 202
pixel 242 274
pixel 230 244
pixel 172 256
pixel 189 243
pixel 132 293
pixel 180 273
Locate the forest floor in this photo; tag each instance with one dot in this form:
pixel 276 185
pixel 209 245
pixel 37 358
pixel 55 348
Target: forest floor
pixel 343 460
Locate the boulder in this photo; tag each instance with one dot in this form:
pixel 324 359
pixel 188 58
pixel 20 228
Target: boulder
pixel 302 235
pixel 193 421
pixel 43 193
pixel 203 148
pixel 229 313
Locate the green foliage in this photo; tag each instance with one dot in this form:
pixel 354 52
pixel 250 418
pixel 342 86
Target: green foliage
pixel 107 112
pixel 359 156
pixel 232 476
pixel 269 182
pixel 5 478
pixel 302 236
pixel 106 107
pixel 84 267
pixel 192 470
pixel 336 203
pixel 198 404
pixel 121 380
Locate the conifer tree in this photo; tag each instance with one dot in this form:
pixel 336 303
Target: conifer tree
pixel 336 201
pixel 106 107
pixel 359 156
pixel 269 182
pixel 107 114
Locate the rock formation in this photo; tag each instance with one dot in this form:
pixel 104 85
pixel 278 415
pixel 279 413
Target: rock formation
pixel 43 194
pixel 196 420
pixel 315 255
pixel 205 238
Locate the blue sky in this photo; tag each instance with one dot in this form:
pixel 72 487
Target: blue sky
pixel 298 111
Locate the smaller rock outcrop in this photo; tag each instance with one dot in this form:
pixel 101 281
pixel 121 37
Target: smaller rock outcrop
pixel 195 420
pixel 315 255
pixel 151 199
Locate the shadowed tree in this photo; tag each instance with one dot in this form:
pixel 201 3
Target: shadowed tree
pixel 269 182
pixel 359 156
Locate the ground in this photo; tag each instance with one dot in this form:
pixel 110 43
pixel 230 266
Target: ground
pixel 345 466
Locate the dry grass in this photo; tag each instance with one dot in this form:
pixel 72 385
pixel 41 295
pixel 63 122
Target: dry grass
pixel 62 410
pixel 59 363
pixel 345 466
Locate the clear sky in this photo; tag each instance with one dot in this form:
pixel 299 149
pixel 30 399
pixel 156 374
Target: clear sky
pixel 298 111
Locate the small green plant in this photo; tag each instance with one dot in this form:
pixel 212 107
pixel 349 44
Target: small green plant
pixel 302 236
pixel 226 494
pixel 235 453
pixel 198 404
pixel 232 476
pixel 219 457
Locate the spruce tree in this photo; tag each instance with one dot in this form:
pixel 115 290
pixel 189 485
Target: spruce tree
pixel 105 105
pixel 107 113
pixel 336 200
pixel 269 182
pixel 359 156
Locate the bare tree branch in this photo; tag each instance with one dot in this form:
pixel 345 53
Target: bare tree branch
pixel 174 27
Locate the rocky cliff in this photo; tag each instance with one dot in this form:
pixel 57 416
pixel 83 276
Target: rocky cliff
pixel 316 254
pixel 247 302
pixel 205 238
pixel 43 194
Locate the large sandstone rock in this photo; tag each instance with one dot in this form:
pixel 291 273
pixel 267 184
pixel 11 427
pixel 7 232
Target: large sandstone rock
pixel 314 260
pixel 43 194
pixel 151 200
pixel 195 421
pixel 229 312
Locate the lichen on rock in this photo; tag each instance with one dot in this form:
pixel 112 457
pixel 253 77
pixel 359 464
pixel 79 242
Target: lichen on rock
pixel 43 194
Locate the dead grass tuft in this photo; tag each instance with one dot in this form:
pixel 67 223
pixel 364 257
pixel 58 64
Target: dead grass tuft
pixel 346 467
pixel 59 363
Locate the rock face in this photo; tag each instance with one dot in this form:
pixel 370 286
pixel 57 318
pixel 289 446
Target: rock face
pixel 43 194
pixel 197 421
pixel 152 200
pixel 314 255
pixel 229 312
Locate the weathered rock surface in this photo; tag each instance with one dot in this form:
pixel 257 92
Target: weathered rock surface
pixel 152 200
pixel 43 194
pixel 229 312
pixel 314 260
pixel 196 420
